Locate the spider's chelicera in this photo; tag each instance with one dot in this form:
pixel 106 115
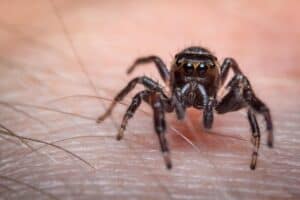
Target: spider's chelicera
pixel 194 80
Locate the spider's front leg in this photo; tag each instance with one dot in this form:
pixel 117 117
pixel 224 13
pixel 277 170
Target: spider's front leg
pixel 157 104
pixel 241 95
pixel 144 80
pixel 160 65
pixel 136 102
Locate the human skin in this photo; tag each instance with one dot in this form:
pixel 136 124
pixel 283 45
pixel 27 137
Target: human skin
pixel 61 62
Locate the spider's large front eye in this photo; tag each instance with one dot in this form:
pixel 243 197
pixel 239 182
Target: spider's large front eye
pixel 188 68
pixel 201 69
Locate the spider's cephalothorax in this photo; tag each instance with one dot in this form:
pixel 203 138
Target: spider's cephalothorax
pixel 197 71
pixel 194 80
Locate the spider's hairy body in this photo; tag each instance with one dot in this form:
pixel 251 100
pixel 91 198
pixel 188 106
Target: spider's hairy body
pixel 194 80
pixel 196 57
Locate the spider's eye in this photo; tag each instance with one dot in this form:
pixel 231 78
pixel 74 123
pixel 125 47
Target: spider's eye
pixel 188 68
pixel 202 68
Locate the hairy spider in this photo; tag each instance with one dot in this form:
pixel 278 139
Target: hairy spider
pixel 194 80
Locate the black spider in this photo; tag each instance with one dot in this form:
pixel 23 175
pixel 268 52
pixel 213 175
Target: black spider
pixel 194 80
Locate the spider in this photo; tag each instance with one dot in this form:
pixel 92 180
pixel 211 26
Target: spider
pixel 193 81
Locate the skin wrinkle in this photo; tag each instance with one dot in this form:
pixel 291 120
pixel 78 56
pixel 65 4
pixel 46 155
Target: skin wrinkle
pixel 6 189
pixel 175 130
pixel 92 85
pixel 26 114
pixel 172 128
pixel 9 132
pixel 49 144
pixel 124 104
pixel 188 120
pixel 55 100
pixel 50 196
pixel 193 131
pixel 22 139
pixel 180 134
pixel 69 113
pixel 147 113
pixel 140 110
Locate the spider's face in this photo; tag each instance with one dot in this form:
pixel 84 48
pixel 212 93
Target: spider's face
pixel 197 68
pixel 202 69
pixel 198 65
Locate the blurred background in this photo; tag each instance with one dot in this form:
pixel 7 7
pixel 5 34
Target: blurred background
pixel 62 61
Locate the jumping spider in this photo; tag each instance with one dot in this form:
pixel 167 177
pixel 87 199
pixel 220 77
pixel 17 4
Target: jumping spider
pixel 194 80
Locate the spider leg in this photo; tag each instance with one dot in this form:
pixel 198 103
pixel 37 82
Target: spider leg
pixel 136 102
pixel 226 65
pixel 159 103
pixel 146 81
pixel 248 95
pixel 255 137
pixel 158 106
pixel 258 106
pixel 241 95
pixel 160 65
pixel 160 126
